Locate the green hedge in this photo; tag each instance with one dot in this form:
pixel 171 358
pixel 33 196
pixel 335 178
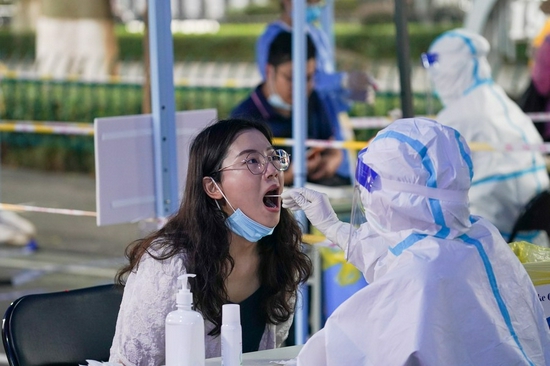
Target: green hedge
pixel 73 101
pixel 371 42
pixel 237 42
pixel 82 102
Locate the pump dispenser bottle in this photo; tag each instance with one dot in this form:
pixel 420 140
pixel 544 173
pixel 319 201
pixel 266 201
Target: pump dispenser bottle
pixel 232 342
pixel 184 330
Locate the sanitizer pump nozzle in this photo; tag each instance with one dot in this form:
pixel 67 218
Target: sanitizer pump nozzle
pixel 185 296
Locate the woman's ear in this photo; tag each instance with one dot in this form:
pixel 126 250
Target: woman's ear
pixel 211 188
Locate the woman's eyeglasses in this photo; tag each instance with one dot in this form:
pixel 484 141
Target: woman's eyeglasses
pixel 256 162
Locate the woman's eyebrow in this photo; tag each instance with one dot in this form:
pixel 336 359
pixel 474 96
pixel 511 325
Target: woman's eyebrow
pixel 247 151
pixel 269 149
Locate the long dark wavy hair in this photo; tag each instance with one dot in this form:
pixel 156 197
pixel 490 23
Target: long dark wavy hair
pixel 199 231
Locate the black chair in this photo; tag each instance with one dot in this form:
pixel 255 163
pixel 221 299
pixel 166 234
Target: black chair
pixel 535 215
pixel 61 328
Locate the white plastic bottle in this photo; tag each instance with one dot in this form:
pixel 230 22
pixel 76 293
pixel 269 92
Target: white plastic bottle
pixel 184 330
pixel 232 341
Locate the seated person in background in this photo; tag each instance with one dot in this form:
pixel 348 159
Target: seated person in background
pixel 337 90
pixel 480 110
pixel 343 87
pixel 444 287
pixel 271 102
pixel 242 246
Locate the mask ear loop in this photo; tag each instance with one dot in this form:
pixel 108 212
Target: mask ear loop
pixel 226 200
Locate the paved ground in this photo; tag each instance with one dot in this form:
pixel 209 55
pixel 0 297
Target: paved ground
pixel 72 251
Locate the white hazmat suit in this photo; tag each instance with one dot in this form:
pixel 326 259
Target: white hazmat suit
pixel 481 111
pixel 444 287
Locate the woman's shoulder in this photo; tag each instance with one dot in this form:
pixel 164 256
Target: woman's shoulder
pixel 161 253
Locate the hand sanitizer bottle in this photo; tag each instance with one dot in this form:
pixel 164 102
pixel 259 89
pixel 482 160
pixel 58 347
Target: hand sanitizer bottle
pixel 232 342
pixel 184 330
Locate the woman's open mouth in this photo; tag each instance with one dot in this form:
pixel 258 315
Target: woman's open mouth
pixel 272 198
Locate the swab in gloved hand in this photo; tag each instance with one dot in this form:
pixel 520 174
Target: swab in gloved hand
pixel 319 212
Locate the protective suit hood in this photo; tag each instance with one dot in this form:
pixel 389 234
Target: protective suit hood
pixel 460 64
pixel 432 195
pixel 423 172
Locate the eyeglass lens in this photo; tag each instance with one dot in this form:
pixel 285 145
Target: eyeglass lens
pixel 257 163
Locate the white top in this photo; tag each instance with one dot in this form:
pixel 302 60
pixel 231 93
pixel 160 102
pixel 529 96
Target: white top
pixel 149 295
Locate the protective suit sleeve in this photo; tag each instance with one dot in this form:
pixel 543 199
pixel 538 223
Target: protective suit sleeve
pixel 319 212
pixel 331 82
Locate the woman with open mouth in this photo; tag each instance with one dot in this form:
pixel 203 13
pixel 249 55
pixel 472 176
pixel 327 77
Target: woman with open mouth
pixel 232 232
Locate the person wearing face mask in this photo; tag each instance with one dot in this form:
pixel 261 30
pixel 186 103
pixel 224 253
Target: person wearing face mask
pixel 343 87
pixel 444 287
pixel 504 182
pixel 271 102
pixel 231 231
pixel 338 90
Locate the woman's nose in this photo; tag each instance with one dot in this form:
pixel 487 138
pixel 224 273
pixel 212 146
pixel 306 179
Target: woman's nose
pixel 271 170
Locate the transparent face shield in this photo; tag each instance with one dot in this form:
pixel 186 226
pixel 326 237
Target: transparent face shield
pixel 364 180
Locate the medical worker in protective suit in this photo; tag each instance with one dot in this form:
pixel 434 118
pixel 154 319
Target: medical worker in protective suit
pixel 481 111
pixel 444 287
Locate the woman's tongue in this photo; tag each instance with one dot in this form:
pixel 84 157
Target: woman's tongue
pixel 268 201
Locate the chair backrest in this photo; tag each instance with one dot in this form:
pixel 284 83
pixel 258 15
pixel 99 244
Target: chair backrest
pixel 535 215
pixel 61 328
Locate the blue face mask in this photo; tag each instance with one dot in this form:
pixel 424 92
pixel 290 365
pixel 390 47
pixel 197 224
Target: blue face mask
pixel 313 13
pixel 243 225
pixel 276 100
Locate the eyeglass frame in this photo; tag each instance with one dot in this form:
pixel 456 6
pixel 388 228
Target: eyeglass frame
pixel 268 159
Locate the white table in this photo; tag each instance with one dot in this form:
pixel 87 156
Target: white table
pixel 263 358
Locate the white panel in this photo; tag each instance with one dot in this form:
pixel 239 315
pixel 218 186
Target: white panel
pixel 188 125
pixel 125 190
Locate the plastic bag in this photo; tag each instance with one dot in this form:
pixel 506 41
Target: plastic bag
pixel 535 259
pixel 528 253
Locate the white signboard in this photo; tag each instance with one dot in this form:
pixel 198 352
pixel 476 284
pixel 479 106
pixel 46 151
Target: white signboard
pixel 125 185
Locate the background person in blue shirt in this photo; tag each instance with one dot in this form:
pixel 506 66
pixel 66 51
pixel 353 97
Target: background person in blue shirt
pixel 271 102
pixel 337 89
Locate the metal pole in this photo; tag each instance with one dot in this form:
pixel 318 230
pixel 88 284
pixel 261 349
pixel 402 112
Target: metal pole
pixel 162 101
pixel 299 134
pixel 403 57
pixel 327 24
